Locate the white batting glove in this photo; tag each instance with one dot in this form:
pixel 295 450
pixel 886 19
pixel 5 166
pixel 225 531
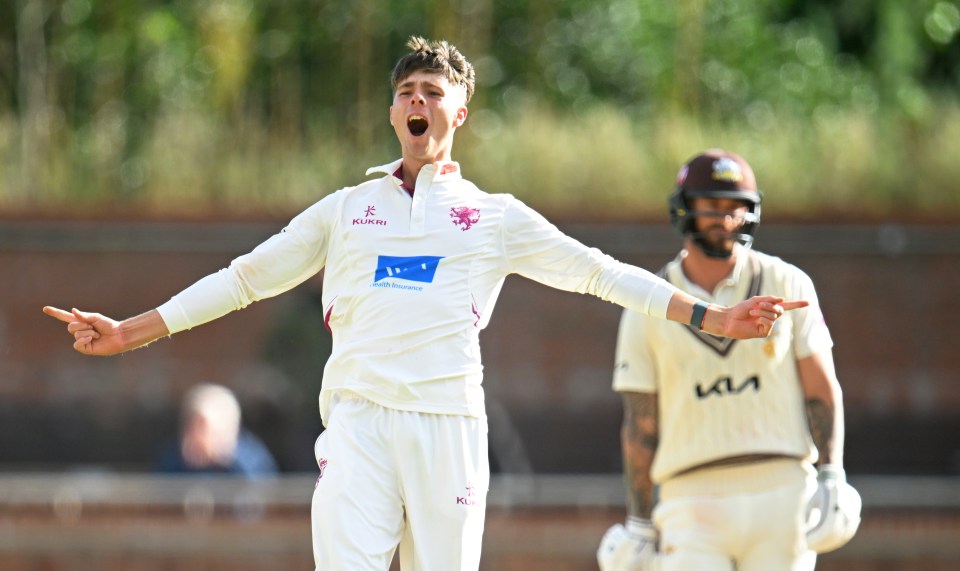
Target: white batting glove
pixel 629 548
pixel 833 512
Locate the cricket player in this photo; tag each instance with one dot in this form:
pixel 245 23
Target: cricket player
pixel 730 430
pixel 413 261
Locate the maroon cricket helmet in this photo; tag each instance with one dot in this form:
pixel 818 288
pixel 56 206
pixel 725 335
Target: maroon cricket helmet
pixel 715 173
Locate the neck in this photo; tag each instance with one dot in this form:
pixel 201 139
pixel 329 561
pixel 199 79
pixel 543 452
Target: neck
pixel 411 169
pixel 704 270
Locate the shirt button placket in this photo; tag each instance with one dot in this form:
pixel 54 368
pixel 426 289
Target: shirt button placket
pixel 418 210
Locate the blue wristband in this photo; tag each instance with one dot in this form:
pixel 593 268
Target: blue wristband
pixel 699 312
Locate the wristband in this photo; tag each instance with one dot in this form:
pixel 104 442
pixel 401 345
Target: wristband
pixel 699 312
pixel 641 527
pixel 831 472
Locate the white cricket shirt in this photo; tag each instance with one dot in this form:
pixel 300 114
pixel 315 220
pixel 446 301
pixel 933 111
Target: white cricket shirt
pixel 409 282
pixel 721 397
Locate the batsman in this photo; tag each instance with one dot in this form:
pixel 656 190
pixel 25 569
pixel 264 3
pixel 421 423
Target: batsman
pixel 742 438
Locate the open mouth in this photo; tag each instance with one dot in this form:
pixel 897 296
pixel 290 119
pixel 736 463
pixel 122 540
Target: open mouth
pixel 417 124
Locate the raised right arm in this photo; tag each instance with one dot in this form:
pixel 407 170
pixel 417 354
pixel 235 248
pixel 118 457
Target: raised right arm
pixel 96 334
pixel 280 263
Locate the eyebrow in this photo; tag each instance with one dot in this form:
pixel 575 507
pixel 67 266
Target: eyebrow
pixel 411 83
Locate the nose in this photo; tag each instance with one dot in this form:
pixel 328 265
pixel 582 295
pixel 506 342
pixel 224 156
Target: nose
pixel 418 98
pixel 732 219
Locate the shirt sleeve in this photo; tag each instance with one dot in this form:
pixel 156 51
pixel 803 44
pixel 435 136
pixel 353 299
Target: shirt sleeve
pixel 634 368
pixel 810 331
pixel 536 249
pixel 280 263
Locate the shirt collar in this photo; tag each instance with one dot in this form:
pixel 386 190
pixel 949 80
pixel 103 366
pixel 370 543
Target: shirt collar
pixel 388 168
pixel 438 171
pixel 743 256
pixel 741 274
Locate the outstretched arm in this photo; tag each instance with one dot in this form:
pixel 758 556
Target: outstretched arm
pixel 746 320
pixel 95 334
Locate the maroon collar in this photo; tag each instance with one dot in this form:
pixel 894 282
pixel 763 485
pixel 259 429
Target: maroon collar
pixel 399 175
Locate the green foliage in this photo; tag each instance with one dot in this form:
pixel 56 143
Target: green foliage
pixel 840 162
pixel 180 106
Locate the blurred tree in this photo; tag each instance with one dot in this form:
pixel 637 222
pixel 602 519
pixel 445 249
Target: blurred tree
pixel 32 92
pixel 98 98
pixel 224 54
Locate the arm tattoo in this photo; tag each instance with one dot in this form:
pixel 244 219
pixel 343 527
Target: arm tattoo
pixel 639 438
pixel 820 415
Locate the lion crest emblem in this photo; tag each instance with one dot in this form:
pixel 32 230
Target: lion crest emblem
pixel 464 216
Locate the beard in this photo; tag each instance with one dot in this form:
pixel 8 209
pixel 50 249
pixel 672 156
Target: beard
pixel 715 244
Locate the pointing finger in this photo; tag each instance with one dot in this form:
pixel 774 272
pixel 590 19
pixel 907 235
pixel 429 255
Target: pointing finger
pixel 788 305
pixel 83 315
pixel 60 314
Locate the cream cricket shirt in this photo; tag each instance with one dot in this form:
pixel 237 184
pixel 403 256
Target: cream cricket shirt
pixel 410 282
pixel 721 397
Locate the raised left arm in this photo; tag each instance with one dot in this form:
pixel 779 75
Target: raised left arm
pixel 748 319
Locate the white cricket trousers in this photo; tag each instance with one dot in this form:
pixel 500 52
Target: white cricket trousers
pixel 747 517
pixel 390 477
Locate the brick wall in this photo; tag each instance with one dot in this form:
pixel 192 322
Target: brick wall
pixel 888 292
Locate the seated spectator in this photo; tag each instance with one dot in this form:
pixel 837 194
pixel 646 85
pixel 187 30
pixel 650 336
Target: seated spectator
pixel 212 439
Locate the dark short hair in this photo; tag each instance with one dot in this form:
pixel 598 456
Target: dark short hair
pixel 438 57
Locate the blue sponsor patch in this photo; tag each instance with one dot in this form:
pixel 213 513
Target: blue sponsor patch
pixel 410 268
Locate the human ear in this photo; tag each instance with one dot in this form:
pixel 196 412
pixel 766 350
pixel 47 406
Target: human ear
pixel 461 117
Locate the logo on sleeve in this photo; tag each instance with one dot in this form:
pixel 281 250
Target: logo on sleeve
pixel 409 268
pixel 464 216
